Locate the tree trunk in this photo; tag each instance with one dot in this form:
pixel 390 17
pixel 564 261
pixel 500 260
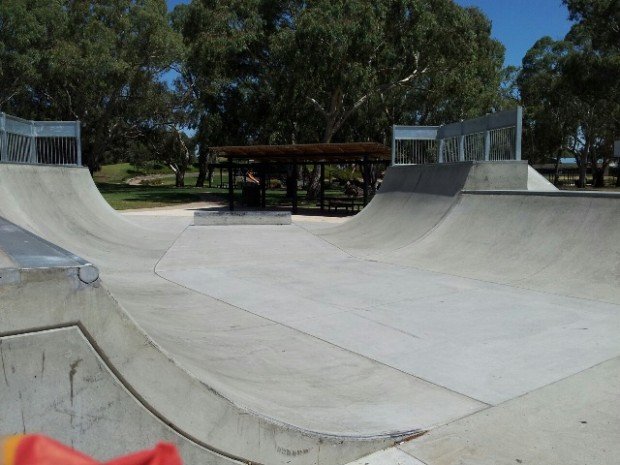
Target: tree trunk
pixel 210 170
pixel 179 174
pixel 556 174
pixel 202 167
pixel 583 167
pixel 180 178
pixel 598 175
pixel 314 185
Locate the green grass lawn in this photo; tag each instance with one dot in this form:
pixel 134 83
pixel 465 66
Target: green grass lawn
pixel 111 181
pixel 123 196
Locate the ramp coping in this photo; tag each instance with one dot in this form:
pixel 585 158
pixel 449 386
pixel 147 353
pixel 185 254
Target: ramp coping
pixel 29 251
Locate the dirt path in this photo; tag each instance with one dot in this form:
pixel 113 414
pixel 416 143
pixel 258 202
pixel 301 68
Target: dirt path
pixel 138 180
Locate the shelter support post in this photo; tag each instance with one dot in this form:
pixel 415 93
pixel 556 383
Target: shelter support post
pixel 231 185
pixel 365 176
pixel 295 187
pixel 263 186
pixel 322 191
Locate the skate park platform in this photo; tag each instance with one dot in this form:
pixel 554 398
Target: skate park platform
pixel 459 318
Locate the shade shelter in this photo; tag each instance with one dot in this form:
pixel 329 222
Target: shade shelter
pixel 266 157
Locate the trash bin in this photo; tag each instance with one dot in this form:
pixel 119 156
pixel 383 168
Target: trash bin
pixel 250 195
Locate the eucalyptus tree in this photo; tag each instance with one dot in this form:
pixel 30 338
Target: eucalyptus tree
pixel 550 123
pixel 97 61
pixel 571 89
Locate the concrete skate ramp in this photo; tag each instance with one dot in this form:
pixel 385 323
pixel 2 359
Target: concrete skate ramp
pixel 226 380
pixel 483 221
pixel 63 344
pixel 414 198
pixel 564 243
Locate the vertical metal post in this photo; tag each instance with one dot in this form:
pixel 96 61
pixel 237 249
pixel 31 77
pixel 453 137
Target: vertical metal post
pixel 461 148
pixel 442 149
pixel 231 187
pixel 393 145
pixel 518 133
pixel 322 191
pixel 487 140
pixel 462 144
pixel 3 138
pixel 78 142
pixel 32 158
pixel 295 187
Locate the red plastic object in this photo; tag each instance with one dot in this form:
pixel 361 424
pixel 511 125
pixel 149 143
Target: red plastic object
pixel 41 450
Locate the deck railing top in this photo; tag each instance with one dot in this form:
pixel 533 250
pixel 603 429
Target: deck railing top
pixel 40 142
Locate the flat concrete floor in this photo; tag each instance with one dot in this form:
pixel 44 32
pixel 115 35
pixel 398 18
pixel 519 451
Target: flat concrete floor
pixel 487 341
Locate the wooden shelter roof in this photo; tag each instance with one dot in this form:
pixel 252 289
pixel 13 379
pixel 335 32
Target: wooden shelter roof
pixel 308 153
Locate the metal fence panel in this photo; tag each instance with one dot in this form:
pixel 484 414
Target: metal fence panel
pixel 495 136
pixel 40 142
pixel 408 151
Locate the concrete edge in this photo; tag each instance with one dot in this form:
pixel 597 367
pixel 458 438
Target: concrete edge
pixel 223 218
pixel 590 194
pixel 29 251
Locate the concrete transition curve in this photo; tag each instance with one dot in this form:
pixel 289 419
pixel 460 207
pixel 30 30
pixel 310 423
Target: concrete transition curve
pixel 283 344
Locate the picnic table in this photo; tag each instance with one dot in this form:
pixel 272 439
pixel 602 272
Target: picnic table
pixel 347 203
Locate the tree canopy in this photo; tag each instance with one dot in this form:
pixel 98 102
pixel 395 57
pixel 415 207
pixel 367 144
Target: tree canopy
pixel 321 71
pixel 571 88
pixel 97 61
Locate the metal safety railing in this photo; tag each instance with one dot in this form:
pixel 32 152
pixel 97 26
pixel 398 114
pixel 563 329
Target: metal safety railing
pixel 492 137
pixel 39 142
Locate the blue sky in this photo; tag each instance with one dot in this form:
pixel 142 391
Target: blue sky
pixel 516 23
